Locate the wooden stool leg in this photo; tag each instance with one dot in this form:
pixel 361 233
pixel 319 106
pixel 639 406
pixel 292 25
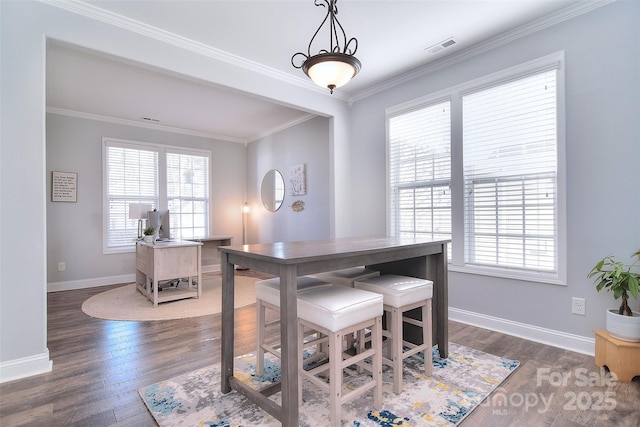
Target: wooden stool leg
pixel 260 320
pixel 427 337
pixel 396 349
pixel 376 342
pixel 335 378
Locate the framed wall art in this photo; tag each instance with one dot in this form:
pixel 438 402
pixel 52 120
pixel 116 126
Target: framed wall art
pixel 64 187
pixel 298 180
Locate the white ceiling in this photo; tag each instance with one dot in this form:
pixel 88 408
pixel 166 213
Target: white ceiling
pixel 393 36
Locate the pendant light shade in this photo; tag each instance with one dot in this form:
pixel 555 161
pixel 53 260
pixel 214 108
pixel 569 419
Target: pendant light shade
pixel 337 65
pixel 331 70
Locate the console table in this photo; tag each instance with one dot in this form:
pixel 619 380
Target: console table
pixel 166 260
pixel 210 254
pixel 423 258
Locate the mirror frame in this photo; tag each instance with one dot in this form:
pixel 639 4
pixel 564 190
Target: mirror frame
pixel 270 199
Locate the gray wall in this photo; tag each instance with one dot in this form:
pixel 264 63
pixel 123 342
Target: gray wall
pixel 74 230
pixel 25 27
pixel 306 143
pixel 602 57
pixel 602 52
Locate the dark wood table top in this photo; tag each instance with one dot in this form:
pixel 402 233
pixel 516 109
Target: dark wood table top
pixel 317 250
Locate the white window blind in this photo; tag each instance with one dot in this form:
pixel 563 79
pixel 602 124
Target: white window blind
pixel 510 174
pixel 188 195
pixel 131 175
pixel 419 167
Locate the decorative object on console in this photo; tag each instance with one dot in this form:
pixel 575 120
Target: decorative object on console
pixel 336 65
pixel 622 280
pixel 149 234
pixel 298 180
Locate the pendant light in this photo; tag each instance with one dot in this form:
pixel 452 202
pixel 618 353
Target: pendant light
pixel 335 66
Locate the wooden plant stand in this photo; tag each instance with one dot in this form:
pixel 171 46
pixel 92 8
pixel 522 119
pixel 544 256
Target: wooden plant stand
pixel 621 357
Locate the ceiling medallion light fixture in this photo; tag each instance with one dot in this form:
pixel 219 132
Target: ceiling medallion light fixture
pixel 335 66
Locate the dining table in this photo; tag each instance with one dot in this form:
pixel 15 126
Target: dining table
pixel 420 257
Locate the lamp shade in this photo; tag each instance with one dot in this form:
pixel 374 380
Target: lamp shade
pixel 138 210
pixel 331 70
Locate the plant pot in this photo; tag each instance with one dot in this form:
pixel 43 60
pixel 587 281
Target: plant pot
pixel 625 328
pixel 149 239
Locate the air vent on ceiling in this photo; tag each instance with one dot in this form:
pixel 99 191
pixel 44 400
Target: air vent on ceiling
pixel 149 119
pixel 441 46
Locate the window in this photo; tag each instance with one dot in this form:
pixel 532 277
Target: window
pixel 161 177
pixel 482 169
pixel 188 194
pixel 420 172
pixel 510 174
pixel 131 177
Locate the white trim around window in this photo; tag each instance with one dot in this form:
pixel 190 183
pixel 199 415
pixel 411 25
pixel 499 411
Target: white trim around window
pixel 146 182
pixel 459 252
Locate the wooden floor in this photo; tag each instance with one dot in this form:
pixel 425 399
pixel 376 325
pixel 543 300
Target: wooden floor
pixel 98 366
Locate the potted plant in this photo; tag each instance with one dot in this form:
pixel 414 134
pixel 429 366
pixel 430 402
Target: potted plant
pixel 149 234
pixel 621 279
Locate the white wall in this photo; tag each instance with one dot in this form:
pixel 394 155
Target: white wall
pixel 603 153
pixel 25 27
pixel 74 230
pixel 306 143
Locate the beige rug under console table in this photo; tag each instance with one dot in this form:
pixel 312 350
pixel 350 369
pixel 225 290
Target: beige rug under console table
pixel 168 260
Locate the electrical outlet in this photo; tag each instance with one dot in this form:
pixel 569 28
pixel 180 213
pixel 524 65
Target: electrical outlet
pixel 578 306
pixel 62 266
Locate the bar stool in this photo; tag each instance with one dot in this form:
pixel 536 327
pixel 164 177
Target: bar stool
pixel 347 276
pixel 401 294
pixel 334 311
pixel 268 296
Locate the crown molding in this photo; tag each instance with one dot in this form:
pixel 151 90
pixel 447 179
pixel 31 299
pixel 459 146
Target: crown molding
pixel 153 126
pixel 565 14
pixel 162 128
pixel 96 13
pixel 282 127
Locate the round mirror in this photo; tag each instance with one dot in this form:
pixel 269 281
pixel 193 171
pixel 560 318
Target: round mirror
pixel 272 190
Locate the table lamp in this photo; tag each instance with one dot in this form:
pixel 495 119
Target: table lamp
pixel 139 211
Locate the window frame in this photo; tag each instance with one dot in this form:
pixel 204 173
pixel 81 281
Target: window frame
pixel 161 150
pixel 458 238
pixel 431 183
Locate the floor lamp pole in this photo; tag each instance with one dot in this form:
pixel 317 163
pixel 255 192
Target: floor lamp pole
pixel 245 211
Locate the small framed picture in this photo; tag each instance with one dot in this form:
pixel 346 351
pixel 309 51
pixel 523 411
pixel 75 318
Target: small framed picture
pixel 64 187
pixel 298 180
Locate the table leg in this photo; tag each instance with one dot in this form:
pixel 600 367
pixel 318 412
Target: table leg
pixel 289 350
pixel 154 293
pixel 442 300
pixel 226 363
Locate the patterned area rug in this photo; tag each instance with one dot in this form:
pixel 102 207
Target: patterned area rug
pixel 458 385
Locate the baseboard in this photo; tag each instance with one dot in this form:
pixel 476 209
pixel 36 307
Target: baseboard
pixel 211 268
pixel 25 367
pixel 90 283
pixel 577 343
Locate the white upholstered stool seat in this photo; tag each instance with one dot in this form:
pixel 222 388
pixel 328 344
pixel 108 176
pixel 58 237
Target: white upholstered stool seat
pixel 334 311
pixel 401 294
pixel 347 276
pixel 268 296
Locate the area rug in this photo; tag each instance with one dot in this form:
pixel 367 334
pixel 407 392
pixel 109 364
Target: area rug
pixel 458 384
pixel 126 303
